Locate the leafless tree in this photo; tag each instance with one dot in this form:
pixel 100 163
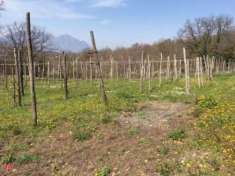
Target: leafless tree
pixel 204 36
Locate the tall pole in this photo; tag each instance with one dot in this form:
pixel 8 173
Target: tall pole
pixel 31 70
pixel 186 71
pixel 17 72
pixel 142 73
pixel 21 72
pixel 65 77
pixel 160 70
pixel 102 87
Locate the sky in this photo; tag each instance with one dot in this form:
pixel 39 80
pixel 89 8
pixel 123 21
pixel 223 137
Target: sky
pixel 116 23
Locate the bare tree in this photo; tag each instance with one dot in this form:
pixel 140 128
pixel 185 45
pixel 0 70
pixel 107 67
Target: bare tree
pixel 203 36
pixel 16 38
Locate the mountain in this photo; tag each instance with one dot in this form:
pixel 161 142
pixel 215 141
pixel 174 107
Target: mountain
pixel 68 43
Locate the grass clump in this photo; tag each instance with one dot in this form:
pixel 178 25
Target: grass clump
pixel 164 150
pixel 105 171
pixel 164 169
pixel 133 131
pixel 82 134
pixel 177 134
pixel 26 158
pixel 8 158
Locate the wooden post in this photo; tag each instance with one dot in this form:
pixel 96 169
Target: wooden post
pixel 102 87
pixel 21 72
pixel 168 68
pixel 91 70
pixel 186 72
pixel 129 68
pixel 65 74
pixel 60 72
pixel 111 67
pixel 48 72
pixel 5 73
pixel 31 70
pixel 53 71
pixel 180 68
pixel 14 86
pixel 175 68
pixel 149 72
pixel 86 68
pixel 198 72
pixel 142 73
pixel 117 71
pixel 160 70
pixel 17 72
pixel 201 71
pixel 73 70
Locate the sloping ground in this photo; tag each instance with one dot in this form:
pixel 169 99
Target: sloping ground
pixel 130 145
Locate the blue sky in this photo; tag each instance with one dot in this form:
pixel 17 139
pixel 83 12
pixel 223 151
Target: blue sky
pixel 115 22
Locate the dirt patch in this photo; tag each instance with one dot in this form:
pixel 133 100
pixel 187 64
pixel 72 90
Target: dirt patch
pixel 128 146
pixel 156 115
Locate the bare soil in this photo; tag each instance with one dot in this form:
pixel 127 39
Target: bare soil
pixel 129 146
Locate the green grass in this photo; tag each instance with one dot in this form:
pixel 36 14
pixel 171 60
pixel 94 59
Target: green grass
pixel 84 110
pixel 84 104
pixel 177 134
pixel 105 171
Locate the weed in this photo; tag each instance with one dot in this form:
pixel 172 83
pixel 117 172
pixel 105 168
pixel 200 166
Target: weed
pixel 133 131
pixel 26 158
pixel 8 158
pixel 164 150
pixel 177 134
pixel 105 171
pixel 164 169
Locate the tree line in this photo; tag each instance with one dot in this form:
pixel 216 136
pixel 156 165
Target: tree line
pixel 206 36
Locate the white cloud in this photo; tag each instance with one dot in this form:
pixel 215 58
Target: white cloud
pixel 41 9
pixel 108 3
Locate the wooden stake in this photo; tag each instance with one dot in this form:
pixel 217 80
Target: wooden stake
pixel 14 87
pixel 111 67
pixel 17 72
pixel 149 72
pixel 186 72
pixel 129 68
pixel 21 72
pixel 91 70
pixel 102 87
pixel 160 70
pixel 65 74
pixel 142 73
pixel 31 70
pixel 175 68
pixel 198 72
pixel 168 68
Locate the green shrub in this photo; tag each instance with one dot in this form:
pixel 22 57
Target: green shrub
pixel 124 94
pixel 177 134
pixel 206 102
pixel 82 132
pixel 164 169
pixel 9 158
pixel 105 119
pixel 164 150
pixel 16 131
pixel 105 171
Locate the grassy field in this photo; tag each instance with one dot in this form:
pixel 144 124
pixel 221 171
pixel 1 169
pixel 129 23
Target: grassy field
pixel 208 142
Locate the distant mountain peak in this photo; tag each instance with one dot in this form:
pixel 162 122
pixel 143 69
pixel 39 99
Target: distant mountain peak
pixel 68 43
